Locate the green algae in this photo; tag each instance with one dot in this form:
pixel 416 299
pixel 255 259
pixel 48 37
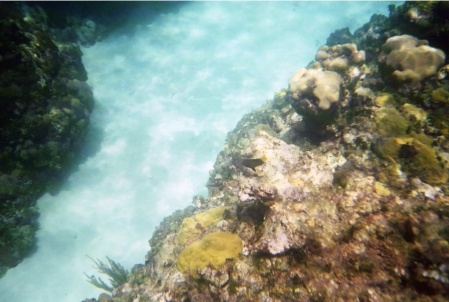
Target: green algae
pixel 390 123
pixel 415 157
pixel 264 128
pixel 440 95
pixel 425 164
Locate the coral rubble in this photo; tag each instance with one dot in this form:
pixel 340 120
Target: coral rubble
pixel 335 190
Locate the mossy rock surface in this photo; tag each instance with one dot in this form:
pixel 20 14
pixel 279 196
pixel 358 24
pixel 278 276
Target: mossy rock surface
pixel 390 122
pixel 385 100
pixel 416 158
pixel 424 163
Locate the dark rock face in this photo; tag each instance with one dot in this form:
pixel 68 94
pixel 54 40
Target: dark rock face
pixel 45 106
pixel 87 22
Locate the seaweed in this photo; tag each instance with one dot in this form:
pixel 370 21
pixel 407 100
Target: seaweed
pixel 118 275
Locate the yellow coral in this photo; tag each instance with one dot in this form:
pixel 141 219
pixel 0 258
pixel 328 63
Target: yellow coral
pixel 413 113
pixel 385 100
pixel 191 227
pixel 391 147
pixel 440 95
pixel 210 216
pixel 213 249
pixel 426 166
pixel 380 189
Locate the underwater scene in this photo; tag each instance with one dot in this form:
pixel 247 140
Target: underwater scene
pixel 224 151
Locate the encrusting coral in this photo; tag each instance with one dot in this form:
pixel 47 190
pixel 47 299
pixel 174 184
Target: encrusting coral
pixel 192 226
pixel 213 249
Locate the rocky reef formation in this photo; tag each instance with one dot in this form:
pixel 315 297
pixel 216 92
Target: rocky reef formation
pixel 45 103
pixel 335 190
pixel 45 106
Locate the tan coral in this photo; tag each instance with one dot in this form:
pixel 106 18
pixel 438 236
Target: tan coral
pixel 338 57
pixel 323 85
pixel 407 58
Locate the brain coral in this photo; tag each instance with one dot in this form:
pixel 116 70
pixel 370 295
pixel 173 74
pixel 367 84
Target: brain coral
pixel 324 86
pixel 408 59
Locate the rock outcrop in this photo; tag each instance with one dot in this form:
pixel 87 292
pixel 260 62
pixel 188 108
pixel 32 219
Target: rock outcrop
pixel 348 205
pixel 45 105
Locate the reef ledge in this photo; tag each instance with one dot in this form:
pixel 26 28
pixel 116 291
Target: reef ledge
pixel 334 190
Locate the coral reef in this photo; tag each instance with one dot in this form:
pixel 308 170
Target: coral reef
pixel 45 106
pixel 334 190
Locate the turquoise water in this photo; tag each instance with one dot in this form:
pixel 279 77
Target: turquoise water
pixel 165 99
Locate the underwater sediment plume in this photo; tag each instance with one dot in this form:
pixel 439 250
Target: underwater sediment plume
pixel 335 189
pixel 347 199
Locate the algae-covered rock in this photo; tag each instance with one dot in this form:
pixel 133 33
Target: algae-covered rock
pixel 43 122
pixel 440 95
pixel 390 122
pixel 417 158
pixel 213 249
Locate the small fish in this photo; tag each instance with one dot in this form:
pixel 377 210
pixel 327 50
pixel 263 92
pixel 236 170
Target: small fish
pixel 252 163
